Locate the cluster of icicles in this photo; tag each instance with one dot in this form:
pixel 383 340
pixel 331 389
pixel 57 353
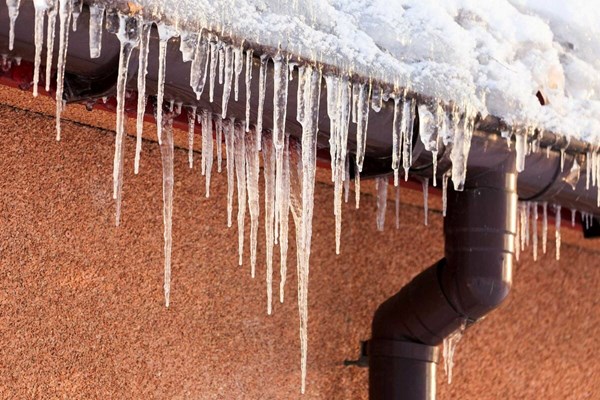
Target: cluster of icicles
pixel 288 166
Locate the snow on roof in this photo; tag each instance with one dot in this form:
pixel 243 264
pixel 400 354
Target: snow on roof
pixel 493 55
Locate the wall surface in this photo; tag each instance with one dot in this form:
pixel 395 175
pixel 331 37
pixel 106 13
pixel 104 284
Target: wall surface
pixel 82 313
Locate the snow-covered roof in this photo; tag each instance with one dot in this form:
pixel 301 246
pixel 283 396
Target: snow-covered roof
pixel 492 55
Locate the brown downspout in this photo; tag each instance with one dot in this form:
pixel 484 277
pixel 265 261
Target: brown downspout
pixel 472 279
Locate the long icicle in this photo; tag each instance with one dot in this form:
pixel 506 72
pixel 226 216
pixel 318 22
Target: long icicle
pixel 252 176
pixel 240 172
pixel 397 138
pixel 50 28
pixel 65 10
pixel 280 94
pixel 230 154
pixel 248 81
pixel 166 151
pixel 228 71
pixel 262 90
pixel 214 55
pixel 310 126
pixel 144 30
pixel 269 177
pixel 165 33
pixel 408 116
pixel 362 122
pixel 284 218
pixel 219 141
pixel 40 12
pixel 128 36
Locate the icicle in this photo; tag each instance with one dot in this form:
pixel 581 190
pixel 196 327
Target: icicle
pixel 333 110
pixel 377 98
pixel 144 30
pixel 40 11
pixel 228 71
pixel 221 61
pixel 219 141
pixel 284 210
pixel 347 180
pixel 574 174
pixel 310 125
pixel 338 109
pixel 517 242
pixel 594 167
pixel 240 172
pixel 362 123
pixel 188 43
pixel 573 214
pixel 449 350
pixel 165 33
pixel 13 13
pixel 534 220
pixel 557 230
pixel 248 80
pixel 425 201
pixel 280 93
pixel 588 169
pixel 50 28
pixel 128 34
pixel 252 175
pixel 397 138
pixel 65 10
pixel 408 115
pixel 77 8
pixel 562 160
pixel 214 54
pixel 269 177
pixel 207 148
pixel 354 102
pixel 230 153
pixel 357 189
pixel 199 66
pixel 429 127
pixel 397 207
pixel 381 185
pixel 238 64
pixel 95 32
pixel 461 147
pixel 544 226
pixel 191 114
pixel 445 192
pixel 166 151
pixel 262 89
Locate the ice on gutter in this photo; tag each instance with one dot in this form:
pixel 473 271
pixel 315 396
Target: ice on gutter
pixel 366 52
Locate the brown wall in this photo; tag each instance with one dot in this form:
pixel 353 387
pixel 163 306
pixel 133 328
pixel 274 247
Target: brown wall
pixel 82 312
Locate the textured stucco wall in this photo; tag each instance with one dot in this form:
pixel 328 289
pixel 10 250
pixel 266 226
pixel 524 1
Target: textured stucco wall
pixel 81 306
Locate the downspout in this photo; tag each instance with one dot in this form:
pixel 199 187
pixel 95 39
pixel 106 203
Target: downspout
pixel 472 279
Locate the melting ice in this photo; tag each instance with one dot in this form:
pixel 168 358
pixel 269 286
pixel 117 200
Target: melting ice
pixel 288 166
